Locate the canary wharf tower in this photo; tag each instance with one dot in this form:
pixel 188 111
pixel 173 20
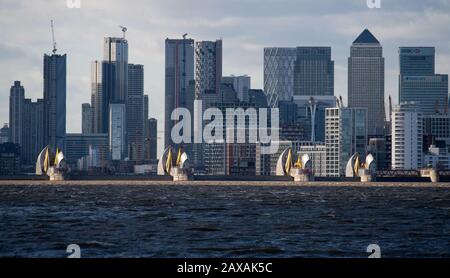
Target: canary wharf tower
pixel 366 80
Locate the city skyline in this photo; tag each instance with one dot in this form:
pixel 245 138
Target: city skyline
pixel 243 48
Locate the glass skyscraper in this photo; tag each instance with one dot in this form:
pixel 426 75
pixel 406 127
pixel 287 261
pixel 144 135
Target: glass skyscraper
pixel 366 80
pixel 179 72
pixel 55 100
pixel 418 82
pixel 135 112
pixel 279 63
pixel 313 72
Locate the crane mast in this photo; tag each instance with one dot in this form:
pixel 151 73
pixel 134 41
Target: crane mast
pixel 53 38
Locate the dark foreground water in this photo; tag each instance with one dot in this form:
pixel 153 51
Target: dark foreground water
pixel 210 221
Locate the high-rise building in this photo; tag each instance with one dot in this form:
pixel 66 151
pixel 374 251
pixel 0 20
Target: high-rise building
pixel 115 52
pixel 417 61
pixel 366 80
pixel 16 100
pixel 55 100
pixel 86 121
pixel 407 136
pixel 135 112
pixel 179 78
pixel 345 135
pixel 99 99
pixel 208 71
pixel 313 72
pixel 117 131
pixel 33 131
pixel 28 121
pixel 418 82
pixel 279 63
pixel 241 84
pixel 430 93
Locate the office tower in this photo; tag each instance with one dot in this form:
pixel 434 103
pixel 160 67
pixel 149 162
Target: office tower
pixel 78 146
pixel 16 100
pixel 153 138
pixel 241 84
pixel 117 131
pixel 115 53
pixel 418 82
pixel 4 134
pixel 429 92
pixel 313 72
pixel 345 135
pixel 99 99
pixel 28 121
pixel 417 61
pixel 87 118
pixel 135 112
pixel 407 136
pixel 300 74
pixel 55 100
pixel 279 65
pixel 208 71
pixel 33 131
pixel 179 72
pixel 366 80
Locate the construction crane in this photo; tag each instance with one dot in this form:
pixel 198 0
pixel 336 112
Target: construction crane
pixel 390 108
pixel 53 37
pixel 124 30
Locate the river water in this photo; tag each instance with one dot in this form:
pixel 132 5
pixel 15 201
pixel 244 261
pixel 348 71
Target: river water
pixel 223 221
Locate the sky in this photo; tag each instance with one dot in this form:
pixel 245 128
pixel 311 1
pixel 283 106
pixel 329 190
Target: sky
pixel 246 27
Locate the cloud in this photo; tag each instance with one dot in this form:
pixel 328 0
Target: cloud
pixel 246 26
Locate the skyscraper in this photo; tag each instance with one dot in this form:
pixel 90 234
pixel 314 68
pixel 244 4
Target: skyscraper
pixel 313 72
pixel 86 121
pixel 418 82
pixel 179 72
pixel 115 52
pixel 16 100
pixel 33 131
pixel 416 61
pixel 279 63
pixel 208 71
pixel 407 137
pixel 135 112
pixel 28 121
pixel 346 134
pixel 366 80
pixel 99 99
pixel 55 100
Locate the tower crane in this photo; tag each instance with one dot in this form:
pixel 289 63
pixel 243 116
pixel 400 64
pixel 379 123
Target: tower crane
pixel 53 37
pixel 124 30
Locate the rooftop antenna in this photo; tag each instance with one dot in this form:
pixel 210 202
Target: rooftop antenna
pixel 124 30
pixel 53 37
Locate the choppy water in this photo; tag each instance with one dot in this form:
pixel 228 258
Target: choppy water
pixel 212 221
